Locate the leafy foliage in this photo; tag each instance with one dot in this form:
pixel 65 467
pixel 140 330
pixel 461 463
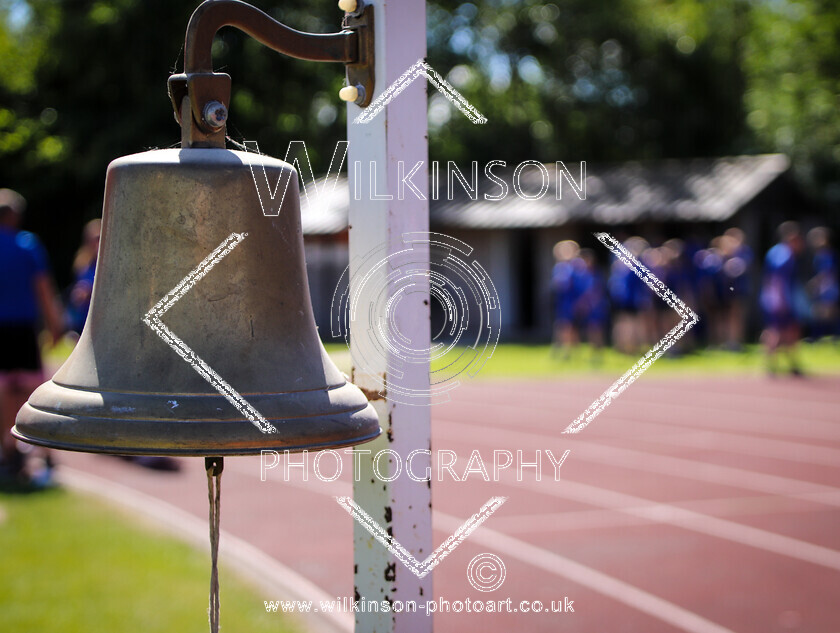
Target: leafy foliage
pixel 83 82
pixel 588 79
pixel 792 62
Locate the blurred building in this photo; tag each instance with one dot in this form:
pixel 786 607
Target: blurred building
pixel 513 235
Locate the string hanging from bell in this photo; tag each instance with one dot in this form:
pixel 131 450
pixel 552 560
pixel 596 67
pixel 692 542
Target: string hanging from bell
pixel 214 467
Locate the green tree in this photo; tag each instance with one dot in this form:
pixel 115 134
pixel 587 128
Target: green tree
pixel 792 63
pixel 87 84
pixel 83 82
pixel 27 142
pixel 592 79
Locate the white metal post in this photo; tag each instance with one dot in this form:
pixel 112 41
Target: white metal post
pixel 401 506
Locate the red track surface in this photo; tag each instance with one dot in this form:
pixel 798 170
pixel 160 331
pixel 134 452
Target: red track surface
pixel 688 505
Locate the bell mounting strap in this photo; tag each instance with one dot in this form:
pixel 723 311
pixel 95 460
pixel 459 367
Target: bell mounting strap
pixel 201 98
pixel 214 467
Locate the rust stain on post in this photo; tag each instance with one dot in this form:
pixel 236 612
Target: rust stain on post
pixel 373 394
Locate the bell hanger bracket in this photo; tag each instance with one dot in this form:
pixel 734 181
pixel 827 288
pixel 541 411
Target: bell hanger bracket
pixel 201 97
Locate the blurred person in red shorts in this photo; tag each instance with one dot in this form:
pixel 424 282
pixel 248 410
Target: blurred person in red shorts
pixel 27 299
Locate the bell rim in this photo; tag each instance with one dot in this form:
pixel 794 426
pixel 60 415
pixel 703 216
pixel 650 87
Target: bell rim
pixel 82 420
pixel 191 452
pixel 77 402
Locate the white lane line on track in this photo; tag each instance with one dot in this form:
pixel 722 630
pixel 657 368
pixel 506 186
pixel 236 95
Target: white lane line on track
pixel 727 420
pixel 260 568
pixel 604 584
pixel 687 519
pixel 732 442
pixel 571 520
pixel 659 464
pixel 696 386
pixel 544 559
pixel 801 424
pixel 693 521
pixel 794 395
pixel 654 512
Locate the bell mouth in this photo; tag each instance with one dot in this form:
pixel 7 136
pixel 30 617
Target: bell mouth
pixel 201 425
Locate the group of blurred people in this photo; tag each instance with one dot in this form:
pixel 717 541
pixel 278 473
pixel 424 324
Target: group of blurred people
pixel 30 303
pixel 799 292
pixel 796 291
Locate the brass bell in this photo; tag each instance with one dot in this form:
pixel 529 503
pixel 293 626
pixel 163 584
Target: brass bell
pixel 200 338
pixel 125 389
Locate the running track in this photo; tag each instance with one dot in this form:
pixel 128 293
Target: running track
pixel 706 505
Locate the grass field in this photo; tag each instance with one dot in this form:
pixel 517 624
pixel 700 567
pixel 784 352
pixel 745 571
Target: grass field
pixel 73 565
pixel 540 361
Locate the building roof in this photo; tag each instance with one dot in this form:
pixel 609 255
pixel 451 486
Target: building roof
pixel 696 190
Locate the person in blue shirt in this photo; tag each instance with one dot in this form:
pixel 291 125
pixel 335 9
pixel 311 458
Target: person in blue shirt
pixel 565 290
pixel 824 286
pixel 735 287
pixel 27 298
pixel 783 302
pixel 629 299
pixel 591 307
pixel 84 269
pixel 708 266
pixel 679 277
